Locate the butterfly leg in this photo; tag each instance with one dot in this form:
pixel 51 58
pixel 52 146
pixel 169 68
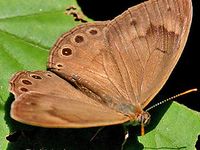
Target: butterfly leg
pixel 97 132
pixel 126 136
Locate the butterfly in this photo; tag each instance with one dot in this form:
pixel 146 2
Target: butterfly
pixel 105 73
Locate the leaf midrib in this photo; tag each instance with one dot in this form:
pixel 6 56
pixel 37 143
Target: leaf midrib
pixel 33 14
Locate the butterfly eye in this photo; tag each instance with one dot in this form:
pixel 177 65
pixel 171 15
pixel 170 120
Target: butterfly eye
pixel 169 9
pixel 66 51
pixel 27 82
pixel 31 103
pixel 78 39
pixel 93 32
pixel 133 22
pixel 48 75
pixel 36 77
pixel 59 65
pixel 24 89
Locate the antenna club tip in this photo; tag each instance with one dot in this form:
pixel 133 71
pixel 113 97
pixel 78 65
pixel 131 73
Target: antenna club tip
pixel 189 91
pixel 195 89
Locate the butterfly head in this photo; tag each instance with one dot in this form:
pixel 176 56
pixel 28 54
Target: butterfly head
pixel 143 118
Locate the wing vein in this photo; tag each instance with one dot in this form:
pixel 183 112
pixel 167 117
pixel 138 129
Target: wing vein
pixel 121 34
pixel 137 38
pixel 162 21
pixel 147 13
pixel 178 41
pixel 118 90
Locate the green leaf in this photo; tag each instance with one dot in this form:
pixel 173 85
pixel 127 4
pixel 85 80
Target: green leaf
pixel 28 29
pixel 172 127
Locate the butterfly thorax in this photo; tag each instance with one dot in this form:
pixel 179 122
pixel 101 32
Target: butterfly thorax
pixel 143 118
pixel 134 112
pixel 139 118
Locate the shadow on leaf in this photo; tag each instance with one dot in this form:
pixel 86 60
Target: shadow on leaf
pixel 156 115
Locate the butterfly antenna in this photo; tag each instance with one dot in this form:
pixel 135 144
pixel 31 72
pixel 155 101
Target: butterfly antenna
pixel 171 98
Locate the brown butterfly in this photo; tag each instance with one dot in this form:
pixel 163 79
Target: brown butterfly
pixel 105 73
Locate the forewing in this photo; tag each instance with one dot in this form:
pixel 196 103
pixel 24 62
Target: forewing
pixel 80 55
pixel 44 99
pixel 146 42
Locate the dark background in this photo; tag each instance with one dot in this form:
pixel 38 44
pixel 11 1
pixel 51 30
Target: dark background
pixel 186 74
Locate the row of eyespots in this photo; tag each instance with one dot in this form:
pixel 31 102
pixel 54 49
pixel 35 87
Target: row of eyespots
pixel 79 38
pixel 28 82
pixel 67 51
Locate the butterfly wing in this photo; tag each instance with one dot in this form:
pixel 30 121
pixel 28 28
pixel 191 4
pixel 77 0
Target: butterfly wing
pixel 146 42
pixel 125 61
pixel 44 99
pixel 80 56
pixel 113 65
